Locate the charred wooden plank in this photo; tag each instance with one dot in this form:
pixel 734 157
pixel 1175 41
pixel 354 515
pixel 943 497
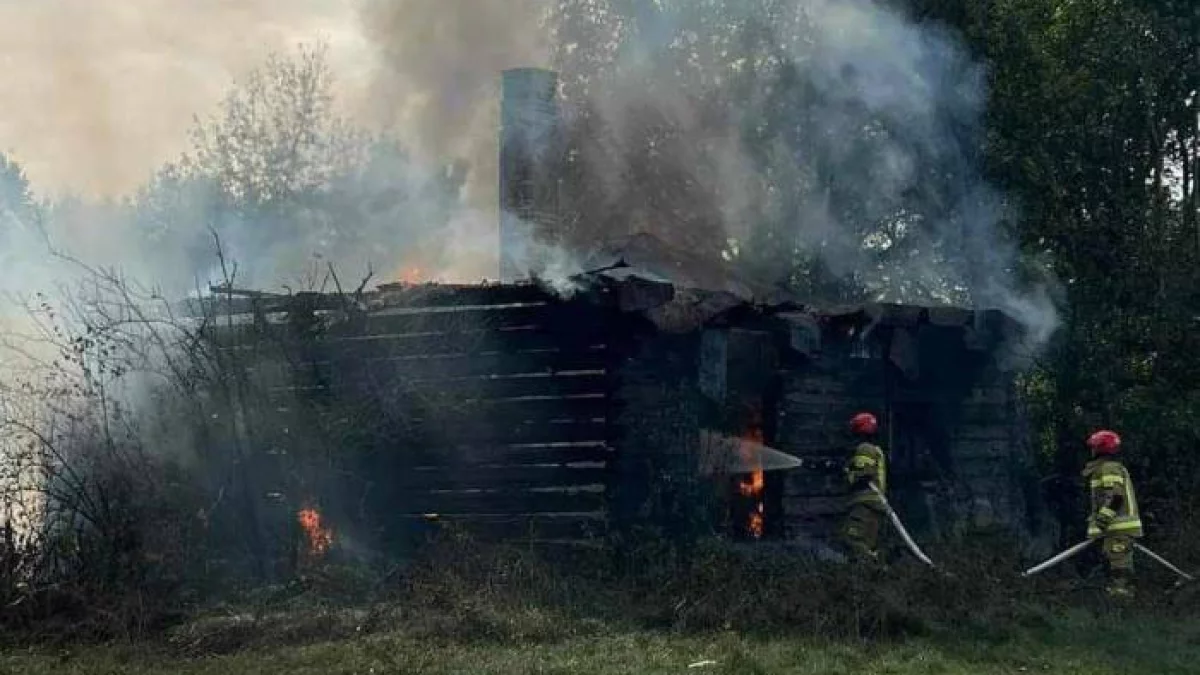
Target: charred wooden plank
pixel 440 295
pixel 518 410
pixel 425 404
pixel 824 506
pixel 507 477
pixel 525 338
pixel 462 432
pixel 573 383
pixel 570 384
pixel 419 295
pixel 475 457
pixel 814 485
pixel 970 451
pixel 522 528
pixel 222 306
pixel 982 434
pixel 395 321
pixel 400 321
pixel 404 370
pixel 502 502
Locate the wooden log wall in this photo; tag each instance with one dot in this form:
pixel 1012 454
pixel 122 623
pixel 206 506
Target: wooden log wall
pixel 485 409
pixel 657 489
pixel 950 427
pixel 817 400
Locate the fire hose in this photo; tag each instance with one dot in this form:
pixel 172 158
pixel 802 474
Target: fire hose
pixel 912 545
pixel 1058 558
pixel 1088 542
pixel 1163 561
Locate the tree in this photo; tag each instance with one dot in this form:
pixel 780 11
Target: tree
pixel 277 137
pixel 1093 125
pixel 17 205
pixel 291 188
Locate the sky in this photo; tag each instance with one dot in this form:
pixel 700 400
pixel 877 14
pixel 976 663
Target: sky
pixel 96 94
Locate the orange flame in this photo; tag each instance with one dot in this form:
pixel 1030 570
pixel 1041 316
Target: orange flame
pixel 752 486
pixel 410 275
pixel 320 538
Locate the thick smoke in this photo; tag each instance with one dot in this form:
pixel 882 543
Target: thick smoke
pixel 836 145
pixel 828 148
pixel 437 82
pixel 831 148
pixel 436 86
pixel 96 95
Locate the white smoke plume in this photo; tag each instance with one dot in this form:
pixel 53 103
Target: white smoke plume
pixel 839 138
pixel 837 141
pixel 828 144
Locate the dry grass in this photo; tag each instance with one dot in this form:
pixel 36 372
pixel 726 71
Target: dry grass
pixel 467 609
pixel 1076 643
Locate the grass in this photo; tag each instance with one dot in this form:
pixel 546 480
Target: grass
pixel 467 609
pixel 1075 643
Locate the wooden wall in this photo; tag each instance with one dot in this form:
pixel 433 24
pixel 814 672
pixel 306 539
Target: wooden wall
pixel 485 409
pixel 949 417
pixel 511 412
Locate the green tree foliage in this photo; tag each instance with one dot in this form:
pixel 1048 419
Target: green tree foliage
pixel 16 199
pixel 1094 124
pixel 291 187
pixel 277 137
pixel 20 215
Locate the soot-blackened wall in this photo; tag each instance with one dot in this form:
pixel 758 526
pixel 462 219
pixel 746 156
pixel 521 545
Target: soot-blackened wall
pixel 936 378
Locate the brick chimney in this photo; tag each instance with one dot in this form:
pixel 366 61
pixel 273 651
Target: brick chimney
pixel 529 153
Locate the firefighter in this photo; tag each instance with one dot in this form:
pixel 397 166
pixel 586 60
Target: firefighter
pixel 1114 515
pixel 867 465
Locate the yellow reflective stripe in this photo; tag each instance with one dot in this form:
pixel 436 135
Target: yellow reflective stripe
pixel 1105 511
pixel 1125 525
pixel 1131 505
pixel 861 462
pixel 1111 481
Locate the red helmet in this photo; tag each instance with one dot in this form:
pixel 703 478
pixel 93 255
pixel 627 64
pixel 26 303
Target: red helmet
pixel 864 424
pixel 1104 442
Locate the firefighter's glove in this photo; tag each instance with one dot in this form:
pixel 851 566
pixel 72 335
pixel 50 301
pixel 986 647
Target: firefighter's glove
pixel 1104 517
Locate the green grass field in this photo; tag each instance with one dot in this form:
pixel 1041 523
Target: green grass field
pixel 1078 642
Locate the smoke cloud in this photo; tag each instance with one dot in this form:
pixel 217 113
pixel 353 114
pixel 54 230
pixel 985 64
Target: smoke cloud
pixel 832 148
pixel 828 148
pixel 97 95
pixel 437 79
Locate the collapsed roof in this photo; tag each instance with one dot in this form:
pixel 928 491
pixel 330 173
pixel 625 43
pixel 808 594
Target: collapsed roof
pixel 678 292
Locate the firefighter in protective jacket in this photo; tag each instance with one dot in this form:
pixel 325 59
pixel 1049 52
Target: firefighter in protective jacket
pixel 867 465
pixel 1114 510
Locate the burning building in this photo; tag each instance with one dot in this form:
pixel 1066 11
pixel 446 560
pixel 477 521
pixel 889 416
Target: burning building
pixel 515 411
